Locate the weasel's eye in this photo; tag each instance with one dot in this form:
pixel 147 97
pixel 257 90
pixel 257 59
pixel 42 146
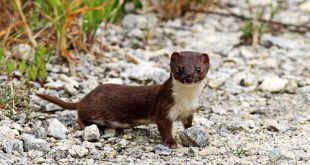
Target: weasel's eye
pixel 198 69
pixel 180 69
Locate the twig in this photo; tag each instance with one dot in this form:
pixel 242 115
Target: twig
pixel 29 32
pixel 254 25
pixel 291 27
pixel 12 95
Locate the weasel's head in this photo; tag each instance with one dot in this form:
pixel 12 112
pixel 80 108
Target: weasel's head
pixel 189 67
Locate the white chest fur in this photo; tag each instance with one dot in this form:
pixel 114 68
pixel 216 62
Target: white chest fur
pixel 186 99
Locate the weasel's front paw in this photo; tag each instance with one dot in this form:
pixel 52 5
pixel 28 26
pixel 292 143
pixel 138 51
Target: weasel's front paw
pixel 171 144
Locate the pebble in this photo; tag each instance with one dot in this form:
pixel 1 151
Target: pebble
pixel 194 137
pixel 56 129
pixel 78 151
pixel 273 84
pixel 91 133
pixel 32 143
pixel 162 150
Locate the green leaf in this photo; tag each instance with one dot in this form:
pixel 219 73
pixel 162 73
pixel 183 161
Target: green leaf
pixel 22 67
pixel 1 56
pixel 10 66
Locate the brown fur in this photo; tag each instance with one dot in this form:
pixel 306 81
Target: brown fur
pixel 124 104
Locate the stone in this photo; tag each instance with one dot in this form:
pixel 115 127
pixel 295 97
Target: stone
pixel 192 151
pixel 40 132
pixel 68 80
pixel 194 137
pixel 56 129
pixel 7 133
pixel 55 85
pixel 9 146
pixel 209 151
pixel 218 110
pixel 273 84
pixel 133 21
pixel 216 83
pixel 32 143
pixel 273 125
pixel 71 89
pixel 137 33
pixel 23 52
pixel 247 52
pixel 78 151
pixel 108 133
pixel 291 86
pixel 49 107
pixel 123 143
pixel 162 150
pixel 145 71
pixel 91 133
pixel 305 6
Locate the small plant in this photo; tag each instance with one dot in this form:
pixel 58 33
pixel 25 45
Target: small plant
pixel 239 151
pixel 36 70
pixel 14 100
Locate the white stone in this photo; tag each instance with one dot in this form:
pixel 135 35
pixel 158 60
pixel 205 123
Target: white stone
pixel 273 84
pixel 56 129
pixel 91 133
pixel 78 151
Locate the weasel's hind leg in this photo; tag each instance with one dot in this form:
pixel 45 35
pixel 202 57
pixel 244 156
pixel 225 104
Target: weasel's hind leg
pixel 81 123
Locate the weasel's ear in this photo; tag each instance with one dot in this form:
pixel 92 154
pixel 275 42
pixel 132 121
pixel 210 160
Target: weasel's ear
pixel 205 58
pixel 175 56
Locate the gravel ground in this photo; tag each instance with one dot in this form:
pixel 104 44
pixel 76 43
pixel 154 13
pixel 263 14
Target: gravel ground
pixel 255 108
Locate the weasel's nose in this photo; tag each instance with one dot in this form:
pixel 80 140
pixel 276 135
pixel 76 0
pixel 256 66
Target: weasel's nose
pixel 188 79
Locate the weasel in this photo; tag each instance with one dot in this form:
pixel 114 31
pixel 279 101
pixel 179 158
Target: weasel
pixel 122 106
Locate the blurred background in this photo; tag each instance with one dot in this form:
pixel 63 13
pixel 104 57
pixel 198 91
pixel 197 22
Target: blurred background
pixel 255 104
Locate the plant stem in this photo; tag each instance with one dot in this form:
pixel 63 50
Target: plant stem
pixel 28 30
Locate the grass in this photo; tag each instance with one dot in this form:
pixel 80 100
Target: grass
pixel 14 100
pixel 239 151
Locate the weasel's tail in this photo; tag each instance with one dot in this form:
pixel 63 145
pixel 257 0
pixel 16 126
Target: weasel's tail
pixel 57 101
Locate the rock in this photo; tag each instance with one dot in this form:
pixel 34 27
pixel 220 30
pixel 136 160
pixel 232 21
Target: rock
pixel 305 6
pixel 71 89
pixel 247 52
pixel 23 52
pixel 218 110
pixel 123 143
pixel 216 83
pixel 162 150
pixel 247 124
pixel 68 80
pixel 248 80
pixel 194 137
pixel 137 33
pixel 305 89
pixel 108 133
pixel 273 125
pixel 273 84
pixel 209 151
pixel 39 132
pixel 288 154
pixel 192 152
pixel 49 107
pixel 291 86
pixel 12 145
pixel 55 85
pixel 145 71
pixel 7 133
pixel 91 133
pixel 132 21
pixel 32 143
pixel 78 151
pixel 56 129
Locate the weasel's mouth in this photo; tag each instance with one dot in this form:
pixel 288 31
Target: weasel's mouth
pixel 188 84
